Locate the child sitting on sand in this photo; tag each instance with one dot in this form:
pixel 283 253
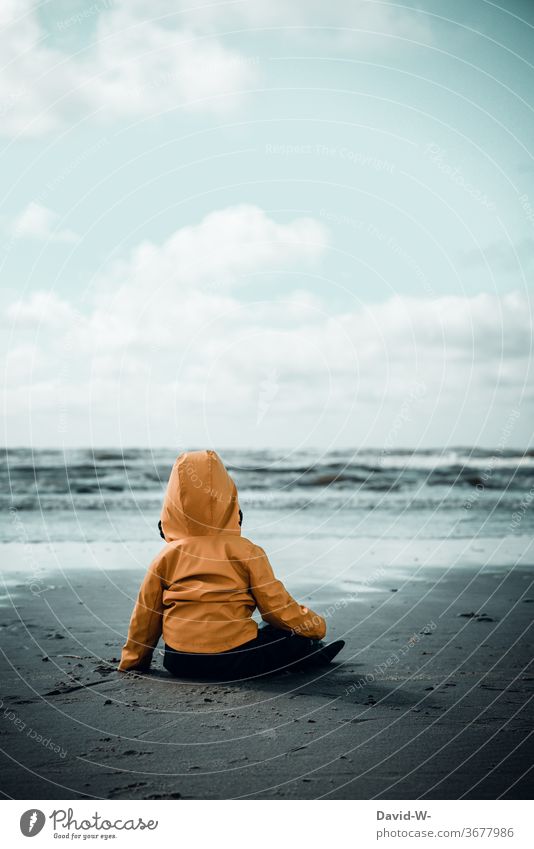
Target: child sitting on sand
pixel 201 590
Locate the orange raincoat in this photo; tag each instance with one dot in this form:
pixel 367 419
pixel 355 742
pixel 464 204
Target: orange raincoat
pixel 201 590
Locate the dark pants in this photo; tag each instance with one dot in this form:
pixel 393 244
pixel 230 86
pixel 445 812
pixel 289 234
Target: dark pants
pixel 273 650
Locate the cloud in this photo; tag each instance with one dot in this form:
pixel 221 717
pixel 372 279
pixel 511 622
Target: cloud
pixel 41 309
pixel 39 222
pixel 344 24
pixel 189 276
pixel 144 59
pixel 187 337
pixel 136 65
pixel 466 329
pixel 225 245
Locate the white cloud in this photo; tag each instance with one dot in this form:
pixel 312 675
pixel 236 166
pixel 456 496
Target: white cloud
pixel 342 24
pixel 147 58
pixel 38 222
pixel 226 244
pixel 136 65
pixel 21 364
pixel 469 328
pixel 41 309
pixel 163 346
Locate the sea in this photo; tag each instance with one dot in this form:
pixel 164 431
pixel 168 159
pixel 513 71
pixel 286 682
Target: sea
pixel 102 495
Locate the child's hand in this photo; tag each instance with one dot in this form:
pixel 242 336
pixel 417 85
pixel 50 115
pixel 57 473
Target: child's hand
pixel 142 667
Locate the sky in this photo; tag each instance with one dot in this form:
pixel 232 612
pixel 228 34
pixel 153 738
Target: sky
pixel 298 224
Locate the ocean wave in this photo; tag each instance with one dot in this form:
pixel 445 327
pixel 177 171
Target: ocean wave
pixel 97 477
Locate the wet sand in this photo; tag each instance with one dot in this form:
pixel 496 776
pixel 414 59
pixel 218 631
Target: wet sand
pixel 431 698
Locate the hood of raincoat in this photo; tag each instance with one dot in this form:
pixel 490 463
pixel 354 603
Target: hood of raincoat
pixel 201 498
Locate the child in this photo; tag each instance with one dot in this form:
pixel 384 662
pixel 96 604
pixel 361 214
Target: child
pixel 201 590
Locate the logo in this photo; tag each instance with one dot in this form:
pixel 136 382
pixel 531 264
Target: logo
pixel 31 822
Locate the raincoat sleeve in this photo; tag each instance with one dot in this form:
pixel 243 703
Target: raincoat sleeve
pixel 276 605
pixel 146 621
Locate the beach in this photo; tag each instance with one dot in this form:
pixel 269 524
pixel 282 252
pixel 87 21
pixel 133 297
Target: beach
pixel 268 357
pixel 431 697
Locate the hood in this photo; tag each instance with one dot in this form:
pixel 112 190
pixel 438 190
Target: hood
pixel 201 498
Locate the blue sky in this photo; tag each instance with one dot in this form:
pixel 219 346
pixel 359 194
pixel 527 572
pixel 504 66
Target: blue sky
pixel 284 224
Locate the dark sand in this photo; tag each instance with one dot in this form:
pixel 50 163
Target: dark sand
pixel 445 711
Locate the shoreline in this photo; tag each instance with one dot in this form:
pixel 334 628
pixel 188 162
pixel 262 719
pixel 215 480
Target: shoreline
pixel 431 698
